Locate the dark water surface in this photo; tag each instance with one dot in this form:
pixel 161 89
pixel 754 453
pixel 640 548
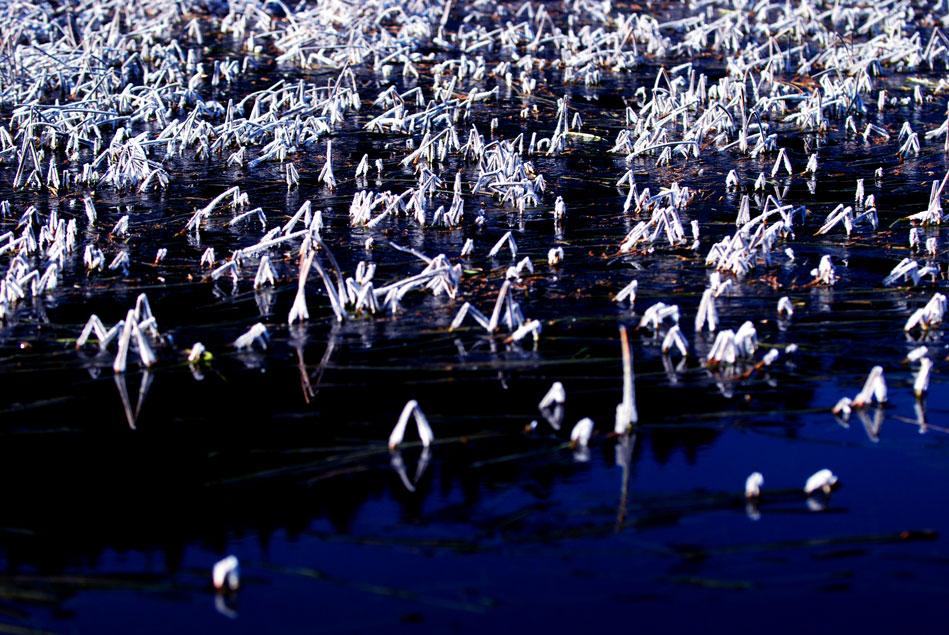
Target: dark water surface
pixel 123 490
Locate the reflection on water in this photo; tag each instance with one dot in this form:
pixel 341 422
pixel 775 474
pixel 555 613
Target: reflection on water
pixel 653 517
